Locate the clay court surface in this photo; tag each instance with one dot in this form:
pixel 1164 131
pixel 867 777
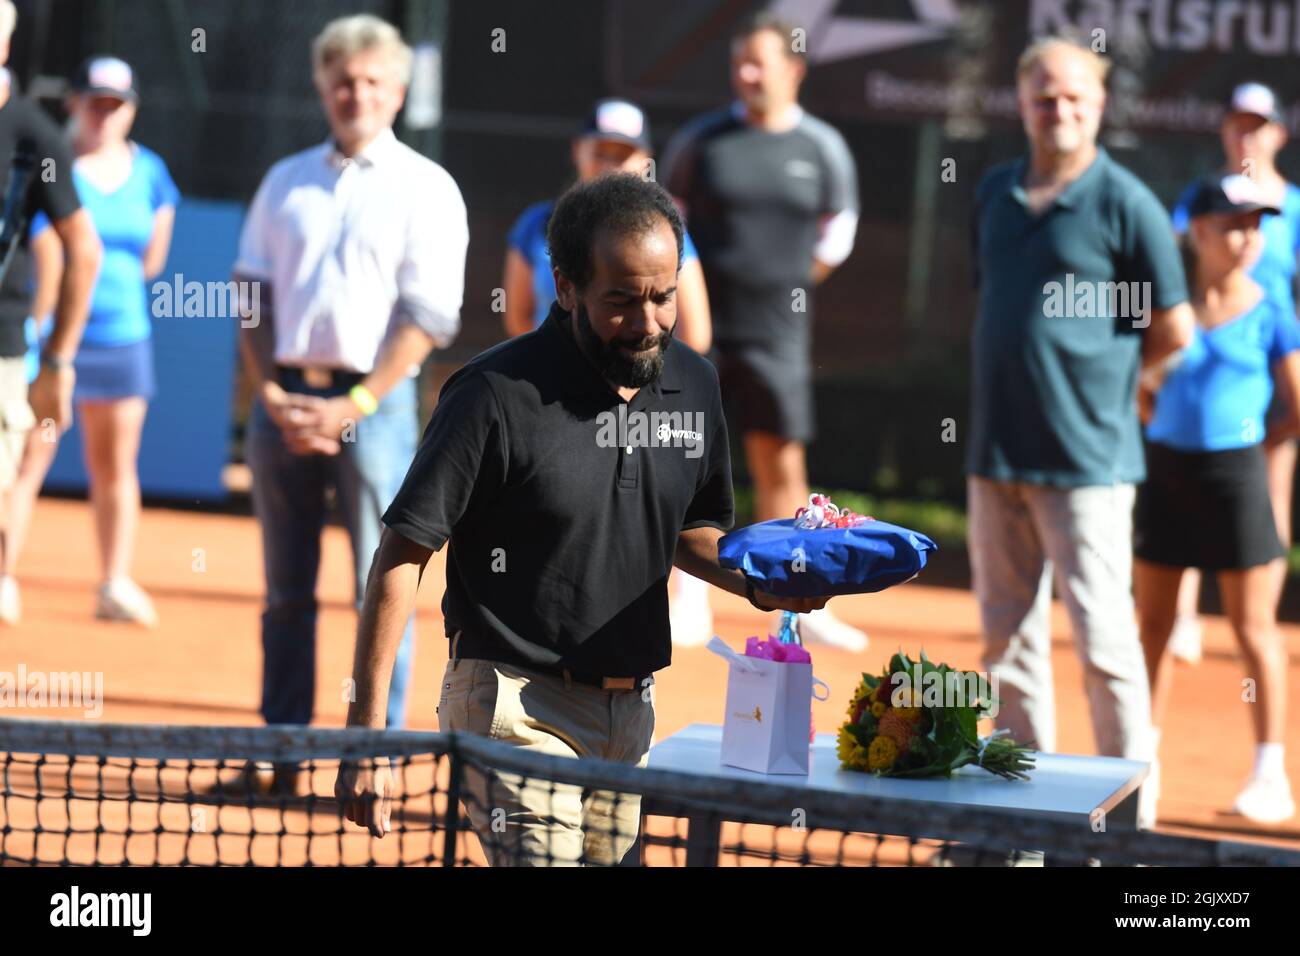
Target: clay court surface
pixel 202 665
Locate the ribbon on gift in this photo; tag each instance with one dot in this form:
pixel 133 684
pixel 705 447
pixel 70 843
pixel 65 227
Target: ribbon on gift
pixel 824 513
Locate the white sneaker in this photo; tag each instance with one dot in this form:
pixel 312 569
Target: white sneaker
pixel 121 599
pixel 1185 641
pixel 1266 800
pixel 823 627
pixel 1148 797
pixel 11 605
pixel 690 617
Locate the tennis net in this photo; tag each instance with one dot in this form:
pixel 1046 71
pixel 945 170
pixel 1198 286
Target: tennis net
pixel 79 793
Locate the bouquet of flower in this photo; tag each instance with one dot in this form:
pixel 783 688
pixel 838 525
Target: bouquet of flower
pixel 918 719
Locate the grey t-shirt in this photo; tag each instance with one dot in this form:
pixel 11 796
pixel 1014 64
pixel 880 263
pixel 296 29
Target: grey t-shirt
pixel 754 204
pixel 1057 344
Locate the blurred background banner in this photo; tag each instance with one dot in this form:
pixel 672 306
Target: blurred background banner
pixel 912 60
pixel 919 88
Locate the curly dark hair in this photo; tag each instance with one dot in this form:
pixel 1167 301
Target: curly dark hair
pixel 623 203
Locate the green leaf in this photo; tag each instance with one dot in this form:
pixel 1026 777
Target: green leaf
pixel 864 731
pixel 967 722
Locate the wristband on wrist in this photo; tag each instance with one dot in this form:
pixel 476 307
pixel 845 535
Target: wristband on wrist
pixel 55 362
pixel 364 399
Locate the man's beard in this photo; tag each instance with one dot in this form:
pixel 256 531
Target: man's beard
pixel 613 363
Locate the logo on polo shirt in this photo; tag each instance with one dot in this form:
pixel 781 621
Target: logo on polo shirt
pixel 667 434
pixel 656 429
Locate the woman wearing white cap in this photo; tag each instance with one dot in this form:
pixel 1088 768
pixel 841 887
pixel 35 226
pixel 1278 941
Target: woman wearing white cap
pixel 614 138
pixel 132 201
pixel 1253 133
pixel 1205 502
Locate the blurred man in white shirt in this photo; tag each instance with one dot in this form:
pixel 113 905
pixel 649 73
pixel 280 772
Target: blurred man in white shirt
pixel 358 248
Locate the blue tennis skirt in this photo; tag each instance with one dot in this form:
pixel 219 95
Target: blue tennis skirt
pixel 104 372
pixel 108 372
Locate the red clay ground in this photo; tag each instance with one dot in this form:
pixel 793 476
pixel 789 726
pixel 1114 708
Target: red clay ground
pixel 202 665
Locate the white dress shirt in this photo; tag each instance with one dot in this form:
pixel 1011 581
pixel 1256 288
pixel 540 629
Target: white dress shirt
pixel 351 245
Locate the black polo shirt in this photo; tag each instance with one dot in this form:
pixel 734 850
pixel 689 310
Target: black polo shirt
pixel 52 191
pixel 562 513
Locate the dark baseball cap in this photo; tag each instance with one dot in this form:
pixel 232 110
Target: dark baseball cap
pixel 620 121
pixel 1230 194
pixel 106 76
pixel 1255 99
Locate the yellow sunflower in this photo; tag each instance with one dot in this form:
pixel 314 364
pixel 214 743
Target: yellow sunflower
pixel 882 753
pixel 862 691
pixel 851 753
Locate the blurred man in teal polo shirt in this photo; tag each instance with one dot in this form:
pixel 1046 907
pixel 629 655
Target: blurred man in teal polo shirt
pixel 1080 284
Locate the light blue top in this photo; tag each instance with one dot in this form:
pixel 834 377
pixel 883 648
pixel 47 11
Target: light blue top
pixel 1217 396
pixel 124 219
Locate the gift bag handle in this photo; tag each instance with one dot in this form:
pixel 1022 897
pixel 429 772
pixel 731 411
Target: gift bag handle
pixel 818 682
pixel 720 647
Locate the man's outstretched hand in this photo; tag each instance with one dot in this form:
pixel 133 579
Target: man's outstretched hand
pixel 800 605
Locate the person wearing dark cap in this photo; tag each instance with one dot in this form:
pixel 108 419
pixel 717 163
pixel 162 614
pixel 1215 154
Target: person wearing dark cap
pixel 1205 502
pixel 1253 134
pixel 132 200
pixel 614 138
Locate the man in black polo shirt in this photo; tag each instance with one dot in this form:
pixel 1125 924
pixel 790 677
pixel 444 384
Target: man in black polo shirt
pixel 569 468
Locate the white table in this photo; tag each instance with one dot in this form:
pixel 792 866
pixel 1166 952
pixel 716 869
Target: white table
pixel 1062 787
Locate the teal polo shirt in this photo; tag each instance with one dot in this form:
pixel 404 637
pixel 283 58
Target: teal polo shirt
pixel 1058 334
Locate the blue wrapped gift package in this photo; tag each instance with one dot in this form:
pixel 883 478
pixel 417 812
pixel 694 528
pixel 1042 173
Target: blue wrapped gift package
pixel 781 558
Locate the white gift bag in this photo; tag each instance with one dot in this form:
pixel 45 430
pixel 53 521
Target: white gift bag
pixel 769 709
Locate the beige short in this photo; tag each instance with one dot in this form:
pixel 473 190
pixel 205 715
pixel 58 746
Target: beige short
pixel 527 822
pixel 16 418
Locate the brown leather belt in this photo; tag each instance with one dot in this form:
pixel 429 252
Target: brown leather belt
pixel 592 680
pixel 607 683
pixel 568 675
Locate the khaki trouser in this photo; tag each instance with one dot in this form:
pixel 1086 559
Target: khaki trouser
pixel 16 418
pixel 1021 537
pixel 526 822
